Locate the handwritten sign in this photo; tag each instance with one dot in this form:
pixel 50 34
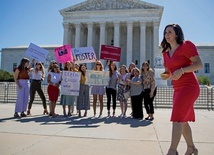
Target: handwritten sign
pixel 63 54
pixel 36 52
pixel 110 53
pixel 97 78
pixel 84 55
pixel 70 83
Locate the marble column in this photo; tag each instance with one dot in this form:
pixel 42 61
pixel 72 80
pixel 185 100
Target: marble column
pixel 90 34
pixel 142 42
pixel 90 39
pixel 155 41
pixel 117 36
pixel 66 33
pixel 129 42
pixel 77 34
pixel 102 38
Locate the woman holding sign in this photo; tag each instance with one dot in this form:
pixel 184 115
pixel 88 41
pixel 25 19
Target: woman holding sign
pixel 68 99
pixel 98 90
pixel 83 100
pixel 54 80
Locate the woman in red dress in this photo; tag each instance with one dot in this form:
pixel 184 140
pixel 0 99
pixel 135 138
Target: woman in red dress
pixel 181 59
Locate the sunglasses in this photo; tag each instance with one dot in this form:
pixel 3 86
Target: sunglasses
pixel 98 64
pixel 38 64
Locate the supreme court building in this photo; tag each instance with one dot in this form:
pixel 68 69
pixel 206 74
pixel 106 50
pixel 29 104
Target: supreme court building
pixel 132 25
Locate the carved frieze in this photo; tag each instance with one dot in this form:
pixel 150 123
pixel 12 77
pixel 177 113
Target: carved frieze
pixel 110 5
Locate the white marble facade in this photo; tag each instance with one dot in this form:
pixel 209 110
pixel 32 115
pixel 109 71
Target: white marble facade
pixel 132 25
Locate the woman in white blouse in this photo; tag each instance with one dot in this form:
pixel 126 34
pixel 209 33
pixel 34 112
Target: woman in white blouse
pixel 37 77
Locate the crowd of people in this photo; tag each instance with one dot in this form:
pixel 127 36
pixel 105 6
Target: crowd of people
pixel 123 84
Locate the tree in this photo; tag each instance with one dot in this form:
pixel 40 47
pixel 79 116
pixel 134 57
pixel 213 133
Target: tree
pixel 204 80
pixel 6 76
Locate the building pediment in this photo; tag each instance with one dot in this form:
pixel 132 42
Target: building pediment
pixel 98 5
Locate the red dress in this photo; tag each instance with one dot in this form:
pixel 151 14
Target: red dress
pixel 186 88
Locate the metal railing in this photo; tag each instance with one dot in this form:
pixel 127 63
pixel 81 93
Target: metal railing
pixel 163 98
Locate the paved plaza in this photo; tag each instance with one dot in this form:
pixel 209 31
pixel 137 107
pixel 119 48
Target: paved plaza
pixel 42 135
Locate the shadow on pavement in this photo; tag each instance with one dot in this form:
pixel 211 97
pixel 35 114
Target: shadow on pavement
pixel 80 122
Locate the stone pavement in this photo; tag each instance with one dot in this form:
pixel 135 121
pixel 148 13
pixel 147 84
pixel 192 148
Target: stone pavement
pixel 41 135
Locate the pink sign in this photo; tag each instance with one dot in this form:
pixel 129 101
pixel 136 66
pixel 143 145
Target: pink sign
pixel 63 54
pixel 110 53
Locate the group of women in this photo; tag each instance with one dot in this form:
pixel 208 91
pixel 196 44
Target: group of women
pixel 139 84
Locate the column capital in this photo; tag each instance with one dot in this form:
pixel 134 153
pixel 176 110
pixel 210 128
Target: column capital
pixel 129 23
pixel 77 25
pixel 142 24
pixel 156 24
pixel 116 23
pixel 90 24
pixel 102 24
pixel 66 25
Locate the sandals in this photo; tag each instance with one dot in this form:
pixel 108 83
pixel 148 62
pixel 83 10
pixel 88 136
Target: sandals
pixel 28 112
pixel 45 112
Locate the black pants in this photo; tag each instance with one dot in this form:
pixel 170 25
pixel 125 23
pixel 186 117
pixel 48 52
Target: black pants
pixel 137 108
pixel 36 86
pixel 148 101
pixel 111 93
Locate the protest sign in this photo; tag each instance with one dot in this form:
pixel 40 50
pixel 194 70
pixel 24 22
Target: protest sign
pixel 70 83
pixel 84 55
pixel 97 78
pixel 110 53
pixel 63 54
pixel 36 52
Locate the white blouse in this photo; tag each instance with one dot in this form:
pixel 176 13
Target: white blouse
pixel 37 76
pixel 55 77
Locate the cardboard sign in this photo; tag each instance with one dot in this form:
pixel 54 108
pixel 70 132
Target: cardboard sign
pixel 110 53
pixel 84 55
pixel 97 78
pixel 70 83
pixel 63 54
pixel 36 52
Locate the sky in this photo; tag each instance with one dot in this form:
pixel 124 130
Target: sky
pixel 39 21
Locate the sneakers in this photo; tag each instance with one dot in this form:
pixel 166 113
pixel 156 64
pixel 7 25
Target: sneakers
pixel 149 118
pixel 16 115
pixel 23 114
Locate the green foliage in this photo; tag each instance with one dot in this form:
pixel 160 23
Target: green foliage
pixel 204 80
pixel 6 76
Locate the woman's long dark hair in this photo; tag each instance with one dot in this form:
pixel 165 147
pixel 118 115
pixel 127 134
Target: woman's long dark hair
pixel 22 64
pixel 110 70
pixel 81 69
pixel 179 33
